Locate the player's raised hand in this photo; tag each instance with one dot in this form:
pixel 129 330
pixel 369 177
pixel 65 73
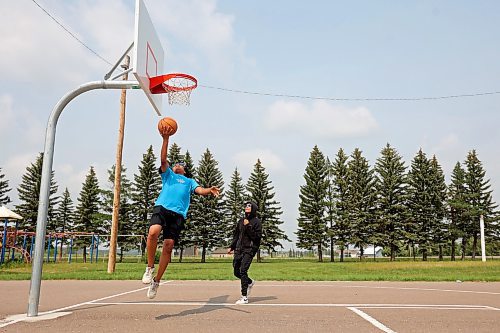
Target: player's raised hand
pixel 167 131
pixel 214 191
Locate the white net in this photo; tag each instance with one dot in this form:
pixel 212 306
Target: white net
pixel 179 97
pixel 178 90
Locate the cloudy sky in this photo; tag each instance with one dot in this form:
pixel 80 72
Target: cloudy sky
pixel 356 51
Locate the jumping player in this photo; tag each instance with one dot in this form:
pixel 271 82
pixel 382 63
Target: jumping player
pixel 169 213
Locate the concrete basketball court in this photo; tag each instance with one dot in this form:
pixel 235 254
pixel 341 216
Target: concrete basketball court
pixel 208 306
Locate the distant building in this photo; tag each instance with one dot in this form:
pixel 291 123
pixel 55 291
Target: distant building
pixel 354 252
pixel 220 252
pixel 369 251
pixel 191 251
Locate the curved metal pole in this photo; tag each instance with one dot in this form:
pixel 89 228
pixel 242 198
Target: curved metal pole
pixel 43 203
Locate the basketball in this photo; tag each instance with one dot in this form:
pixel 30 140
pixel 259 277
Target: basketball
pixel 166 122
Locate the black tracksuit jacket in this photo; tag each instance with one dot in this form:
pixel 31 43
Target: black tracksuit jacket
pixel 246 238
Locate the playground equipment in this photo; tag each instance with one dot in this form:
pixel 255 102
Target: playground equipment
pixel 8 215
pixel 15 241
pixel 9 243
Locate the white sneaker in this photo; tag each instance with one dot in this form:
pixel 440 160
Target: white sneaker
pixel 242 300
pixel 250 286
pixel 148 275
pixel 153 288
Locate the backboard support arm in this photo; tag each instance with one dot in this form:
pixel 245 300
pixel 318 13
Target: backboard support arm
pixel 108 75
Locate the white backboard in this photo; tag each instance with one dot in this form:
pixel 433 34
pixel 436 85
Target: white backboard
pixel 148 54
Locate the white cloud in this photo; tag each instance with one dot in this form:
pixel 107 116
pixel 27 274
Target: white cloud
pixel 269 160
pixel 73 180
pixel 34 43
pixel 67 175
pixel 15 120
pixel 36 49
pixel 17 164
pixel 197 21
pixel 14 168
pixel 320 119
pixel 450 149
pixel 109 26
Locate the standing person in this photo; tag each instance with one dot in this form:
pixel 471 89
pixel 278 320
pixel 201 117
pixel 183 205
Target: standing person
pixel 246 242
pixel 169 213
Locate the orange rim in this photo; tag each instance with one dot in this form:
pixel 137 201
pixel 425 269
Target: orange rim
pixel 159 85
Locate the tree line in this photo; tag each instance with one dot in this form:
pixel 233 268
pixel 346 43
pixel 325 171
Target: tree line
pixel 346 201
pixel 407 210
pixel 209 224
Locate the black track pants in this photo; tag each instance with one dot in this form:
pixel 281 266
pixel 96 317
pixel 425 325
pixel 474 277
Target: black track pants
pixel 241 264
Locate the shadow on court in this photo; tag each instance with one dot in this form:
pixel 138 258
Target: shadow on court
pixel 202 309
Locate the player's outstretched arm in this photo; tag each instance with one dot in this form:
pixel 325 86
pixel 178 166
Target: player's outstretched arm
pixel 206 191
pixel 163 156
pixel 164 147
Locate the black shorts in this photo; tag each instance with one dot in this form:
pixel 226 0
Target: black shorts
pixel 171 222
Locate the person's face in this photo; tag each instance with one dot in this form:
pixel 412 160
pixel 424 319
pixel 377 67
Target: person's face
pixel 248 208
pixel 178 168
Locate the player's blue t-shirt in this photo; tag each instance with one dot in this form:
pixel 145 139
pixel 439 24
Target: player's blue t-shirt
pixel 176 192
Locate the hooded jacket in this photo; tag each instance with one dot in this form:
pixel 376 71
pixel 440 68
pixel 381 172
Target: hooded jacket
pixel 246 238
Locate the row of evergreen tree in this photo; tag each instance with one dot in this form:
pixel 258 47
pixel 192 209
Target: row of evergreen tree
pixel 210 221
pixel 345 201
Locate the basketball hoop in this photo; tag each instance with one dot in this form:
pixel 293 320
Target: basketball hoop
pixel 178 86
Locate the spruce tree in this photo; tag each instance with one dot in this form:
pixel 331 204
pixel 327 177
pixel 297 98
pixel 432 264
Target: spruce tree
pixel 64 217
pixel 312 227
pixel 145 190
pixel 341 228
pixel 88 210
pixel 4 189
pixel 235 199
pixel 261 192
pixel 391 201
pixel 65 213
pixel 361 200
pixel 126 224
pixel 208 213
pixel 457 192
pixel 29 194
pixel 479 200
pixel 174 154
pixel 438 202
pixel 420 228
pixel 190 168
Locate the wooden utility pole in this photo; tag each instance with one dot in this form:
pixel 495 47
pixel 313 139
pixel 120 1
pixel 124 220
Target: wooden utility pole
pixel 118 175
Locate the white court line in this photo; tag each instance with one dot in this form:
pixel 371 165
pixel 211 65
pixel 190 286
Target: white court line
pixel 425 308
pixel 332 305
pixel 427 289
pixel 371 320
pixel 41 314
pixel 340 286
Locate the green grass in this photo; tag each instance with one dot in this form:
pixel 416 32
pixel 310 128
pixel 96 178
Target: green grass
pixel 273 269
